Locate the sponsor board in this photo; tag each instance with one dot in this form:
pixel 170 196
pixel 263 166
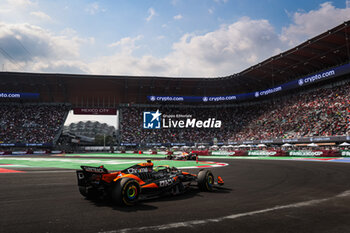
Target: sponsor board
pixel 306 153
pixel 12 95
pixel 223 153
pixel 261 153
pixel 345 153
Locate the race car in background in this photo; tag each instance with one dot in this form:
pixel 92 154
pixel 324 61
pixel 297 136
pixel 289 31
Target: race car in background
pixel 182 156
pixel 141 181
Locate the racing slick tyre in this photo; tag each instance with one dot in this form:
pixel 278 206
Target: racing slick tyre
pixel 205 180
pixel 126 191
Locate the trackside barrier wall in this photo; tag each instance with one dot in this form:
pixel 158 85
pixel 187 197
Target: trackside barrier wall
pixel 238 153
pixel 292 153
pixel 270 153
pixel 314 153
pixel 257 153
pixel 345 153
pixel 202 152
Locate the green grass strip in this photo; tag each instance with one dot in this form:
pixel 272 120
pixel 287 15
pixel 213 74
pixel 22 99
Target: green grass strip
pixel 75 163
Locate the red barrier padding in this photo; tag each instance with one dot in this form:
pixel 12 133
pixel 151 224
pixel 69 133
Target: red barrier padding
pixel 239 153
pixel 202 152
pixel 327 153
pixel 279 153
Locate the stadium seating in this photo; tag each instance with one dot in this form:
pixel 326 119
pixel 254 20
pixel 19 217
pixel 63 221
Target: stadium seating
pixel 31 124
pixel 321 112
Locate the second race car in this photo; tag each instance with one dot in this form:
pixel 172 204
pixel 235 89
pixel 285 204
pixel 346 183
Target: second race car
pixel 182 156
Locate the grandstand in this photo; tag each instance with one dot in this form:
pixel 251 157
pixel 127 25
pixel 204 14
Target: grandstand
pixel 317 113
pixel 31 124
pixel 300 95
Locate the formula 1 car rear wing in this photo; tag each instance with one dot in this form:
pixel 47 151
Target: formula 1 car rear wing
pixel 100 169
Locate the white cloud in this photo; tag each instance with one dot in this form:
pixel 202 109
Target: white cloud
pixel 126 45
pixel 178 17
pixel 35 49
pixel 211 11
pixel 223 51
pixel 94 8
pixel 151 13
pixel 229 49
pixel 309 24
pixel 226 50
pixel 20 3
pixel 13 9
pixel 41 15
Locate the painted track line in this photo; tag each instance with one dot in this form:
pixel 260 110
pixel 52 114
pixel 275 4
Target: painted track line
pixel 229 217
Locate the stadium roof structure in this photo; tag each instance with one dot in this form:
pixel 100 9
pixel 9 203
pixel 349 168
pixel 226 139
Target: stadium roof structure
pixel 329 49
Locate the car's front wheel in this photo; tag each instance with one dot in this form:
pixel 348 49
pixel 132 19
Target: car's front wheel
pixel 205 180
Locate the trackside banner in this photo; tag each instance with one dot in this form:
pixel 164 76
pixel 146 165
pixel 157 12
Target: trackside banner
pixel 305 153
pixel 95 111
pixel 25 144
pixel 17 95
pixel 314 153
pixel 261 153
pixel 327 74
pixel 345 153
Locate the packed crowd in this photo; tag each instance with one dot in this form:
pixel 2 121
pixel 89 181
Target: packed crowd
pixel 21 123
pixel 322 112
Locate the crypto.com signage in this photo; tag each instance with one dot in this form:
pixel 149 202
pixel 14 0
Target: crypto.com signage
pixel 327 74
pixel 12 95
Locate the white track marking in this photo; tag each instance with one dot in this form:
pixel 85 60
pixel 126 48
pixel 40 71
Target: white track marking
pixel 229 217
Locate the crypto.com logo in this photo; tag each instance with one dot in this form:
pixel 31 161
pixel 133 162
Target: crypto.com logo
pixel 151 120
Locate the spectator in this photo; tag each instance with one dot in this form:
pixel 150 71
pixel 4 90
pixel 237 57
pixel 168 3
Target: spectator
pixel 321 112
pixel 21 123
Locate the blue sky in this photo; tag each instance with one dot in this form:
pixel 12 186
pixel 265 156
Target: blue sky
pixel 175 38
pixel 178 38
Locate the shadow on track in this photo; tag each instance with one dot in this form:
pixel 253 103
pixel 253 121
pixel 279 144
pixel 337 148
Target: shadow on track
pixel 144 205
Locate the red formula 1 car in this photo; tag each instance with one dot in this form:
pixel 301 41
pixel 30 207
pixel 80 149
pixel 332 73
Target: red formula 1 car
pixel 182 156
pixel 140 181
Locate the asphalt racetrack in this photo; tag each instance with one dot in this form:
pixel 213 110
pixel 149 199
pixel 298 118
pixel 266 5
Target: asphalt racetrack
pixel 262 196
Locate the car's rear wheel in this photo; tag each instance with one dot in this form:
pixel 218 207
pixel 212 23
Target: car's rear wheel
pixel 205 180
pixel 126 191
